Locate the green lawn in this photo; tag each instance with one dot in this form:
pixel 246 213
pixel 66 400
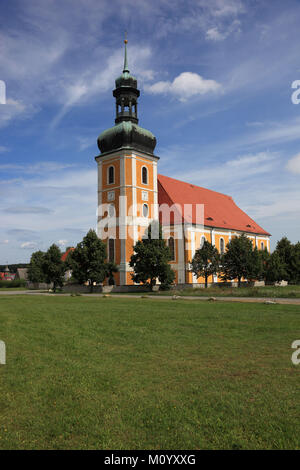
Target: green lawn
pixel 110 373
pixel 266 291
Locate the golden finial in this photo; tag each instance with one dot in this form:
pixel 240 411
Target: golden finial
pixel 125 40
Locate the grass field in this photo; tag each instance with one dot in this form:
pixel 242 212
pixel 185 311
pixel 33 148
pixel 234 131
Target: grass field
pixel 265 291
pixel 109 373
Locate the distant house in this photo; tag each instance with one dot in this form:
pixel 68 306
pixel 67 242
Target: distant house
pixel 7 275
pixel 22 273
pixel 68 273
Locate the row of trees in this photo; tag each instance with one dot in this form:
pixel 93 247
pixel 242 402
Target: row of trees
pixel 150 262
pixel 243 261
pixel 87 263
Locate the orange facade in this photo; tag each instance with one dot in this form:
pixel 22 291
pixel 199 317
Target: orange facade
pixel 128 200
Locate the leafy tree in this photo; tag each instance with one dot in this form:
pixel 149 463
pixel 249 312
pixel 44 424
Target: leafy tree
pixel 35 269
pixel 257 260
pixel 111 268
pixel 275 269
pixel 206 261
pixel 53 267
pixel 87 260
pixel 238 260
pixel 150 259
pixel 290 257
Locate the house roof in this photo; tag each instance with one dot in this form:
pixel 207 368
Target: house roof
pixel 65 255
pixel 220 210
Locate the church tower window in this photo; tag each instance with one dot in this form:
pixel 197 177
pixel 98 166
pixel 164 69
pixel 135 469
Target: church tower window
pixel 145 210
pixel 111 250
pixel 144 175
pixel 172 248
pixel 111 175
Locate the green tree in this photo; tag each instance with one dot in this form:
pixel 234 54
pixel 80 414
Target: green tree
pixel 150 259
pixel 53 267
pixel 237 262
pixel 275 269
pixel 290 258
pixel 111 268
pixel 87 260
pixel 35 269
pixel 206 261
pixel 257 260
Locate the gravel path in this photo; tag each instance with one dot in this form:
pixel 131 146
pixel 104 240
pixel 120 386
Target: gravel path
pixel 262 300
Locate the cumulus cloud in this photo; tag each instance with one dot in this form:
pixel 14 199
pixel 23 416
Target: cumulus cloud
pixel 293 165
pixel 186 85
pixel 62 243
pixel 28 245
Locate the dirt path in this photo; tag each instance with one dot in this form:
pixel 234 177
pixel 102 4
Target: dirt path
pixel 261 300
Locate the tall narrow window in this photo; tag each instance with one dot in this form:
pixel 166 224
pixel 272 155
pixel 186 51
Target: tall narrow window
pixel 222 246
pixel 262 246
pixel 145 210
pixel 172 248
pixel 144 175
pixel 111 175
pixel 111 250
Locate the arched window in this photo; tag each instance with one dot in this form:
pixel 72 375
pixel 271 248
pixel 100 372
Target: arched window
pixel 145 210
pixel 144 175
pixel 172 248
pixel 262 246
pixel 111 175
pixel 222 246
pixel 111 250
pixel 203 239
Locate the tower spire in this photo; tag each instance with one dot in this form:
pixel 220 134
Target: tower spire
pixel 126 69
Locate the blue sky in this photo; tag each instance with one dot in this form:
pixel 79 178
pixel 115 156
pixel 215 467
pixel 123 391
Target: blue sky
pixel 215 80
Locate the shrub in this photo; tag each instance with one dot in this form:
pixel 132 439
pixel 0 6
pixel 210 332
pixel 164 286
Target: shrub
pixel 13 284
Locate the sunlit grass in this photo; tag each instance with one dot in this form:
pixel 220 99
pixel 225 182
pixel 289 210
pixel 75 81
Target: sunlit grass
pixel 110 373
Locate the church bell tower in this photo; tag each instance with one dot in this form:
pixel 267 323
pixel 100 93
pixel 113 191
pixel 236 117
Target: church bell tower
pixel 127 177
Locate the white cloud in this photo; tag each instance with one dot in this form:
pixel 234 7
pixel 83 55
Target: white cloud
pixel 28 245
pixel 4 242
pixel 219 33
pixel 234 171
pixel 62 243
pixel 213 34
pixel 186 85
pixel 12 109
pixel 293 165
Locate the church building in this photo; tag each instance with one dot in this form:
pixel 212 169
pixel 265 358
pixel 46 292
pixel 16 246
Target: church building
pixel 131 194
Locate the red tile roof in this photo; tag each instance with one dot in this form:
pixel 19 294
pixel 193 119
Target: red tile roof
pixel 65 255
pixel 220 210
